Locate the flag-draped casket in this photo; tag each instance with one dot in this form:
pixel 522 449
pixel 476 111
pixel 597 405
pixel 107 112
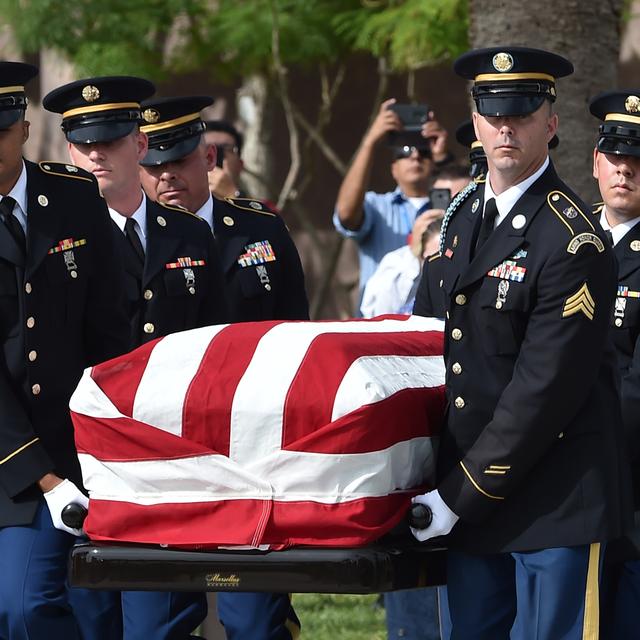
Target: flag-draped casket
pixel 266 434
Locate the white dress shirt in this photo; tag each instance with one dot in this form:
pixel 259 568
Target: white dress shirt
pixel 140 217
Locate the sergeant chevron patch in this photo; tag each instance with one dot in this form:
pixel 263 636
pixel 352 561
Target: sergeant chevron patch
pixel 580 302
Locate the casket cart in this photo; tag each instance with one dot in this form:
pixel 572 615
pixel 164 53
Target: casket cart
pixel 177 507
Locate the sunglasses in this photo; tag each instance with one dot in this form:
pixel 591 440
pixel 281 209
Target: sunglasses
pixel 406 151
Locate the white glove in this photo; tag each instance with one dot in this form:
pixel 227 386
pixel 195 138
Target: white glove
pixel 58 498
pixel 443 518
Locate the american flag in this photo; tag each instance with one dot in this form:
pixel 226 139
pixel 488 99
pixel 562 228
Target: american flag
pixel 262 434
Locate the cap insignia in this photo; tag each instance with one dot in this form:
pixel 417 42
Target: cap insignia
pixel 632 104
pixel 151 116
pixel 90 93
pixel 502 62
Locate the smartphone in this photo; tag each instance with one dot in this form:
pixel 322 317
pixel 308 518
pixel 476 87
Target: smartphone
pixel 412 116
pixel 219 156
pixel 440 198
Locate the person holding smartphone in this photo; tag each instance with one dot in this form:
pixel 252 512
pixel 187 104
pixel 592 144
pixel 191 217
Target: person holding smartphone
pixel 392 288
pixel 380 222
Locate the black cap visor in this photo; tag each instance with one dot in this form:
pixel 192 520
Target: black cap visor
pixel 9 117
pixel 170 151
pixel 100 132
pixel 619 146
pixel 509 105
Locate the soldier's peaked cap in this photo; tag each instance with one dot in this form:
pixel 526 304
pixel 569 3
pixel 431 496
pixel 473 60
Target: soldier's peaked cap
pixel 13 101
pixel 99 109
pixel 509 80
pixel 174 127
pixel 619 111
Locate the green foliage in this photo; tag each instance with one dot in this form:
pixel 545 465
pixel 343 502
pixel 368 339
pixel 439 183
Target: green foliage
pixel 348 617
pixel 235 37
pixel 410 33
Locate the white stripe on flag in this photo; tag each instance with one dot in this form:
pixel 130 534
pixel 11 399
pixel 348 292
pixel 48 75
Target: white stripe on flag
pixel 88 399
pixel 295 476
pixel 258 404
pixel 172 364
pixel 373 378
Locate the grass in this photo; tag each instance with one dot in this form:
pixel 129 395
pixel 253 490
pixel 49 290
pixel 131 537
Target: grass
pixel 343 617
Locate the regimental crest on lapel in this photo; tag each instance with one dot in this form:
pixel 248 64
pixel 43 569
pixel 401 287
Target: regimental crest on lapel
pixel 452 208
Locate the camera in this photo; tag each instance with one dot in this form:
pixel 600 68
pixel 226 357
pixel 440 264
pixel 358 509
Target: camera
pixel 412 116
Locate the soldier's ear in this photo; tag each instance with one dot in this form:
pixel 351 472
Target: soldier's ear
pixel 25 130
pixel 595 163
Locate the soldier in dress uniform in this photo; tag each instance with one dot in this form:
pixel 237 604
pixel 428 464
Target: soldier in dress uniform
pixel 174 282
pixel 532 478
pixel 262 267
pixel 616 166
pixel 264 282
pixel 61 310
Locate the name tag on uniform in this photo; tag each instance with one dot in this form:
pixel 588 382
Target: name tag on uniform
pixel 257 253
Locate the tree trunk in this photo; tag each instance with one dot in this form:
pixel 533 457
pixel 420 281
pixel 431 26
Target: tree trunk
pixel 588 34
pixel 255 105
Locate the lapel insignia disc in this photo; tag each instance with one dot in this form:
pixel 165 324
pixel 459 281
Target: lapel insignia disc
pixel 518 221
pixel 635 245
pixel 161 221
pixel 228 220
pixel 43 201
pixel 580 302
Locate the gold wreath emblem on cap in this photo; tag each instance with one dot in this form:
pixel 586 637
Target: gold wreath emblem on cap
pixel 632 104
pixel 90 93
pixel 502 62
pixel 151 116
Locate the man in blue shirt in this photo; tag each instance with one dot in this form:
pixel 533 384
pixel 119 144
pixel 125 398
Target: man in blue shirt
pixel 380 222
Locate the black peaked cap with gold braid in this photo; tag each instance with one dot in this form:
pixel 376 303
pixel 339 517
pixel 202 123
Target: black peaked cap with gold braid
pixel 13 101
pixel 619 132
pixel 174 127
pixel 99 109
pixel 511 81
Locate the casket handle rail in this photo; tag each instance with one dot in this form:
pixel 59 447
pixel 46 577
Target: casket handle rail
pixel 74 514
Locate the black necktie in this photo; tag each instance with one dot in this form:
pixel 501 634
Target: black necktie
pixel 15 228
pixel 488 222
pixel 609 235
pixel 134 238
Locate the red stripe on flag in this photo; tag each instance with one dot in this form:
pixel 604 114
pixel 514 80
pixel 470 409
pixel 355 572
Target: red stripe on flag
pixel 235 522
pixel 119 378
pixel 127 440
pixel 411 413
pixel 206 415
pixel 312 392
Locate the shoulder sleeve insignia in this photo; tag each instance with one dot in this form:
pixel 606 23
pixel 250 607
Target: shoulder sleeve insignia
pixel 567 211
pixel 583 239
pixel 580 302
pixel 251 204
pixel 453 207
pixel 66 170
